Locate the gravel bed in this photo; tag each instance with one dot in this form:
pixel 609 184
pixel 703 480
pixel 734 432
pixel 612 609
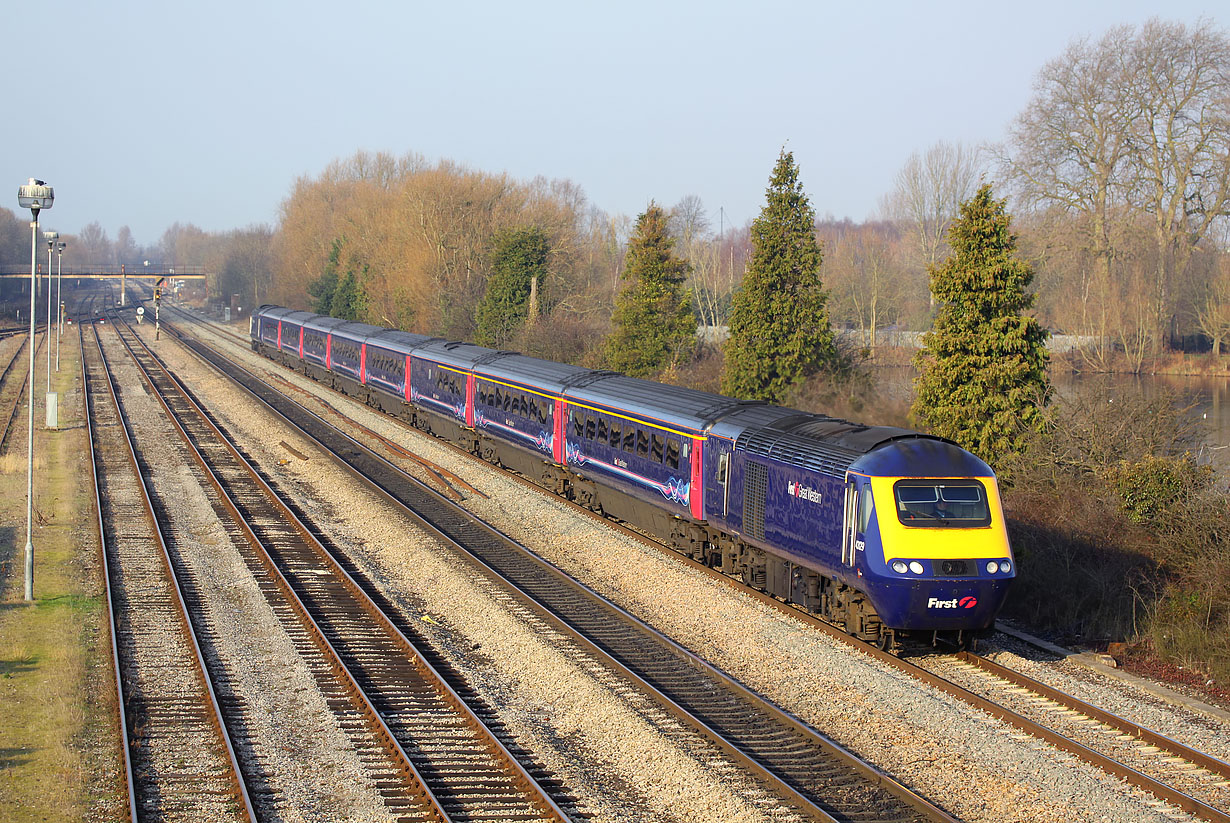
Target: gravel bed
pixel 1199 731
pixel 1205 786
pixel 309 769
pixel 973 765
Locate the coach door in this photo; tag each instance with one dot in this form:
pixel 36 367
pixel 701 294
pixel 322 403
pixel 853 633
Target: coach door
pixel 559 431
pixel 850 528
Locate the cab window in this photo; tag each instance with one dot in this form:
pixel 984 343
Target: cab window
pixel 942 503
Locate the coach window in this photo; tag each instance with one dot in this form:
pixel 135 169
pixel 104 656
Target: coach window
pixel 658 446
pixel 602 434
pixel 642 443
pixel 578 425
pixel 629 438
pixel 590 428
pixel 525 406
pixel 616 436
pixel 672 453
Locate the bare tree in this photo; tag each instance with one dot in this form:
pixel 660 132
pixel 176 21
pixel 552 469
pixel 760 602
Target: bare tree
pixel 1067 155
pixel 1212 311
pixel 1180 144
pixel 928 192
pixel 688 221
pixel 94 246
pixel 1128 132
pixel 863 270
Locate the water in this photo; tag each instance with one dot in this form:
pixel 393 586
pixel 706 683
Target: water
pixel 1209 396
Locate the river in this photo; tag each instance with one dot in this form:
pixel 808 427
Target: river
pixel 1209 396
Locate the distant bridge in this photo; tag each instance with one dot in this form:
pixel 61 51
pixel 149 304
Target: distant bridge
pixel 100 272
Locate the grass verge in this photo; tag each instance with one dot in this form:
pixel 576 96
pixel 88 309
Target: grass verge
pixel 58 751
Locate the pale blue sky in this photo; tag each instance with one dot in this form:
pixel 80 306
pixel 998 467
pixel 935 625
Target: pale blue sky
pixel 146 113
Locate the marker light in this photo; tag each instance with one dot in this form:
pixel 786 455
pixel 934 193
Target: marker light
pixel 899 566
pixel 992 567
pixel 916 567
pixel 1005 567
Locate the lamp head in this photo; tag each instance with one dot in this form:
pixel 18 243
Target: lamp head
pixel 51 237
pixel 35 195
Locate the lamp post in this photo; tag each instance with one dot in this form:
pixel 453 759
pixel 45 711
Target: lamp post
pixel 35 196
pixel 51 237
pixel 60 247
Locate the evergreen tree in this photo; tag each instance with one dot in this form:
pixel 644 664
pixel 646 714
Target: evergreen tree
pixel 349 300
pixel 322 288
pixel 518 269
pixel 654 326
pixel 983 364
pixel 779 323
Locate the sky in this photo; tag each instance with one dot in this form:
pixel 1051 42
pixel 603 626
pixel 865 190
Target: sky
pixel 149 113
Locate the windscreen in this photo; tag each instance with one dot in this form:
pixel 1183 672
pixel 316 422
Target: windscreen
pixel 942 503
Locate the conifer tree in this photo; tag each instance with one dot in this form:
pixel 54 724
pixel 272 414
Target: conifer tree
pixel 654 326
pixel 983 364
pixel 349 299
pixel 322 288
pixel 779 323
pixel 518 269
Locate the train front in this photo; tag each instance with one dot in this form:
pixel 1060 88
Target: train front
pixel 936 556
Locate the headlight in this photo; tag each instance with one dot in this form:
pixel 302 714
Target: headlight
pixel 899 566
pixel 992 567
pixel 916 567
pixel 1005 567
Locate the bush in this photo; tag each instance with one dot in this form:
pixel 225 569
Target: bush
pixel 1120 534
pixel 1151 489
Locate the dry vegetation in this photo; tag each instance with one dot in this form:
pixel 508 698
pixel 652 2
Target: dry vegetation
pixel 1120 534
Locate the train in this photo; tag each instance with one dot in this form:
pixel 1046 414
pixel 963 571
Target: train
pixel 887 533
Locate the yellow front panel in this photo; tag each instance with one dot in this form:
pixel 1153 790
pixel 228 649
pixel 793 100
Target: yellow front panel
pixel 942 543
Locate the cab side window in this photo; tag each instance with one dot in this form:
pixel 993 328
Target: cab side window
pixel 864 508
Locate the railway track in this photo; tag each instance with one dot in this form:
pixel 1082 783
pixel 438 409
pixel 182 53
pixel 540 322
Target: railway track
pixel 179 759
pixel 12 388
pixel 430 754
pixel 792 760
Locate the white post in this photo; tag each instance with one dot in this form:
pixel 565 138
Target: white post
pixel 30 430
pixel 35 195
pixel 59 302
pixel 47 333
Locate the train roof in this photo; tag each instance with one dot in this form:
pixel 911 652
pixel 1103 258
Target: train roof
pixel 273 312
pixel 323 323
pixel 921 455
pixel 833 446
pixel 673 405
pixel 297 317
pixel 455 354
pixel 356 332
pixel 402 342
pixel 545 374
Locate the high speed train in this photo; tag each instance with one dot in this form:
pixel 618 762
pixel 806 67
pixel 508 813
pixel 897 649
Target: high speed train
pixel 885 532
